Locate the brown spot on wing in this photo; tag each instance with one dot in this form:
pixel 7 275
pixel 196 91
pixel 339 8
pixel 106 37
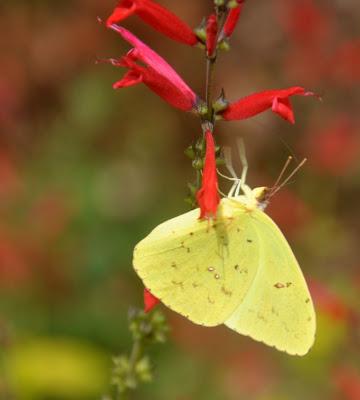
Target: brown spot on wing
pixel 180 284
pixel 279 285
pixel 226 291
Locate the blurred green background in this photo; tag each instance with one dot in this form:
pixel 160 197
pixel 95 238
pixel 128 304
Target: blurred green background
pixel 86 172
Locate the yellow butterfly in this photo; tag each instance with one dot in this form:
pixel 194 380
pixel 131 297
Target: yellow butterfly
pixel 237 270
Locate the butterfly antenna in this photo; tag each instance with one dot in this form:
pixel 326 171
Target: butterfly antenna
pixel 285 167
pixel 276 189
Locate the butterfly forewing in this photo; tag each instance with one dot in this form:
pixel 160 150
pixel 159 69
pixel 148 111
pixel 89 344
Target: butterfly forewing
pixel 200 269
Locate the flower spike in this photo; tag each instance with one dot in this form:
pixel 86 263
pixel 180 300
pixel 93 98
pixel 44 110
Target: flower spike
pixel 155 15
pixel 208 197
pixel 157 74
pixel 277 100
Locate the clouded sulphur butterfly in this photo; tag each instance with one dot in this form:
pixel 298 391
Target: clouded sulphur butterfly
pixel 236 270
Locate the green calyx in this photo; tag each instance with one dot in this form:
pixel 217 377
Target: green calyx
pixel 220 103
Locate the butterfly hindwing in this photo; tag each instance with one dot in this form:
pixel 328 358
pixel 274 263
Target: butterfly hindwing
pixel 277 310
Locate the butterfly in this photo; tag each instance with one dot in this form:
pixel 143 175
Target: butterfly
pixel 236 270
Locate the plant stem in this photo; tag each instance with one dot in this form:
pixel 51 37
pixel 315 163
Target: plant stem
pixel 210 68
pixel 136 353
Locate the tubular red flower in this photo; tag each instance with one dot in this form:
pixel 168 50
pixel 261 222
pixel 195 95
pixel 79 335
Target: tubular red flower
pixel 150 301
pixel 155 15
pixel 157 74
pixel 277 100
pixel 232 19
pixel 208 197
pixel 211 34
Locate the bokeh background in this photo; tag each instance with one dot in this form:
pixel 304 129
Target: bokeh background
pixel 86 172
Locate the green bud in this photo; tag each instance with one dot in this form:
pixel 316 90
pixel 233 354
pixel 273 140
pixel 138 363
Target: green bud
pixel 232 4
pixel 219 3
pixel 200 147
pixel 190 152
pixel 201 108
pixel 198 163
pixel 143 370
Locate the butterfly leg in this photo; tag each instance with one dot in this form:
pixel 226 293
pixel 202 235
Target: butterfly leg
pixel 229 166
pixel 245 166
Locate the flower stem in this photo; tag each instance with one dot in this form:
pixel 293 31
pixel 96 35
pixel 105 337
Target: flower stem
pixel 210 69
pixel 135 355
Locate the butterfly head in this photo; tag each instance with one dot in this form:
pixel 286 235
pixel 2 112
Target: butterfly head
pixel 254 198
pixel 261 196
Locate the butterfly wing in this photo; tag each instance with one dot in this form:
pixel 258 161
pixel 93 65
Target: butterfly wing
pixel 199 269
pixel 277 309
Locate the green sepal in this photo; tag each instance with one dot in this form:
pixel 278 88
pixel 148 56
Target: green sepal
pixel 200 31
pixel 224 45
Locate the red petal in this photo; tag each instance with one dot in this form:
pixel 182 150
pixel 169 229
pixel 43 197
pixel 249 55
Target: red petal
pixel 123 10
pixel 232 19
pixel 277 100
pixel 211 34
pixel 131 78
pixel 157 74
pixel 156 16
pixel 150 301
pixel 283 108
pixel 167 90
pixel 208 196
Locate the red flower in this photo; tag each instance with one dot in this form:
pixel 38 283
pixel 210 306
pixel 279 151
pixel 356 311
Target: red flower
pixel 277 100
pixel 211 34
pixel 150 301
pixel 157 74
pixel 208 196
pixel 232 19
pixel 155 15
